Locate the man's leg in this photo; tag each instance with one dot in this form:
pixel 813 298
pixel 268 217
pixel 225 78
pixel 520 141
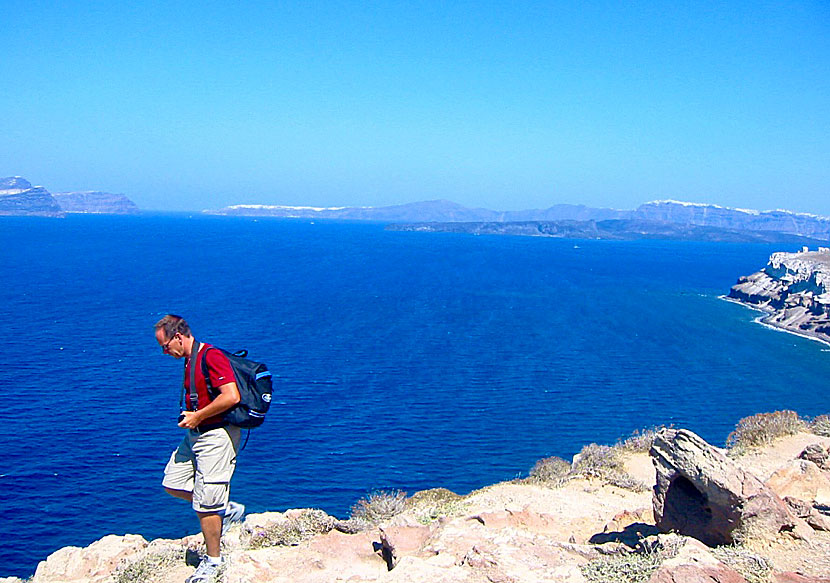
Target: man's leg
pixel 183 494
pixel 215 458
pixel 211 523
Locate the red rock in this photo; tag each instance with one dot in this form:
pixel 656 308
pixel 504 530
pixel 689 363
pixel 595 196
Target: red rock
pixel 399 541
pixel 94 563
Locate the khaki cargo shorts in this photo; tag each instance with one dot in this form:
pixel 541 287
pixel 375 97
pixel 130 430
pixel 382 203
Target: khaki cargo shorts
pixel 203 464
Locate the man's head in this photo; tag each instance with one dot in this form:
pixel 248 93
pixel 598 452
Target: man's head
pixel 173 335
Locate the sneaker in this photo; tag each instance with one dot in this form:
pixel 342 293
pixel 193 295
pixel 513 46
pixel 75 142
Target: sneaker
pixel 206 572
pixel 233 513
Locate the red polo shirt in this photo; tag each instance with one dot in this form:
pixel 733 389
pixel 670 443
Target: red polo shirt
pixel 220 372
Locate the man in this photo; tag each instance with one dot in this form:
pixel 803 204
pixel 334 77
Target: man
pixel 200 469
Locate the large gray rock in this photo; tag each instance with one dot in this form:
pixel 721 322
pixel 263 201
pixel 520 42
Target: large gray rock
pixel 818 454
pixel 703 494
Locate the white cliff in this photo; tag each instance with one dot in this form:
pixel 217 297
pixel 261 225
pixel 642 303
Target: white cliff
pixel 794 290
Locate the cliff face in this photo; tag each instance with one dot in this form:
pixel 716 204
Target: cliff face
pixel 19 197
pixel 794 288
pixel 708 215
pixel 92 201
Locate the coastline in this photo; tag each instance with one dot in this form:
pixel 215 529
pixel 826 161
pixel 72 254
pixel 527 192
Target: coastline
pixel 767 313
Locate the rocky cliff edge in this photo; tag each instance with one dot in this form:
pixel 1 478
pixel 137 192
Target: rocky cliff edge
pixel 770 504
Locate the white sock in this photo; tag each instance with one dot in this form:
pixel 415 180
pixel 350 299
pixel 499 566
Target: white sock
pixel 213 560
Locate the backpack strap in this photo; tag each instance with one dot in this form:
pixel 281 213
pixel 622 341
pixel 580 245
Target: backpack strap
pixel 206 373
pixel 194 395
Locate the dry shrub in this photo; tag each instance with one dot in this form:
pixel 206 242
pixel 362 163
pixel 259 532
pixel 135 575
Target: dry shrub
pixel 604 462
pixel 636 567
pixel 762 429
pixel 378 506
pixel 430 505
pixel 550 470
pixel 753 567
pixel 291 531
pixel 640 441
pixel 597 461
pixel 151 565
pixel 627 568
pixel 820 425
pixel 593 461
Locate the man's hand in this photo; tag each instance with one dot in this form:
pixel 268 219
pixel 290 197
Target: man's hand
pixel 227 398
pixel 191 419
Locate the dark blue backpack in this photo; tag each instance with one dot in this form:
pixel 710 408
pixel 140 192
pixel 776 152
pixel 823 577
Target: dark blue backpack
pixel 254 383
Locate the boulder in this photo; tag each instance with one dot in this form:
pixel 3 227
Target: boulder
pixel 695 564
pixel 703 494
pixel 818 454
pixel 801 479
pixel 808 513
pixel 92 564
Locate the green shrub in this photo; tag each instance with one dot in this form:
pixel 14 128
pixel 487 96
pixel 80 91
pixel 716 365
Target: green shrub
pixel 379 506
pixel 292 531
pixel 762 429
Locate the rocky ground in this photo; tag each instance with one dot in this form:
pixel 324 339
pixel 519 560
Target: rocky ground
pixel 577 530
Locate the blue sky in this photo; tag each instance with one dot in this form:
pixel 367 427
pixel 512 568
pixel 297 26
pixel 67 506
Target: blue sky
pixel 505 105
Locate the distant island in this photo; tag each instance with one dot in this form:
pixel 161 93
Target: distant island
pixel 96 202
pixel 664 219
pixel 794 291
pixel 19 198
pixel 613 229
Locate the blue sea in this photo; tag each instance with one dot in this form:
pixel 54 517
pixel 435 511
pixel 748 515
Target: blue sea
pixel 401 360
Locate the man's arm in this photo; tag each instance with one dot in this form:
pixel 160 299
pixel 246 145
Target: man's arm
pixel 228 397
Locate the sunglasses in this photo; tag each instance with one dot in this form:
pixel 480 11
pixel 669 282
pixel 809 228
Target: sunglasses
pixel 166 345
